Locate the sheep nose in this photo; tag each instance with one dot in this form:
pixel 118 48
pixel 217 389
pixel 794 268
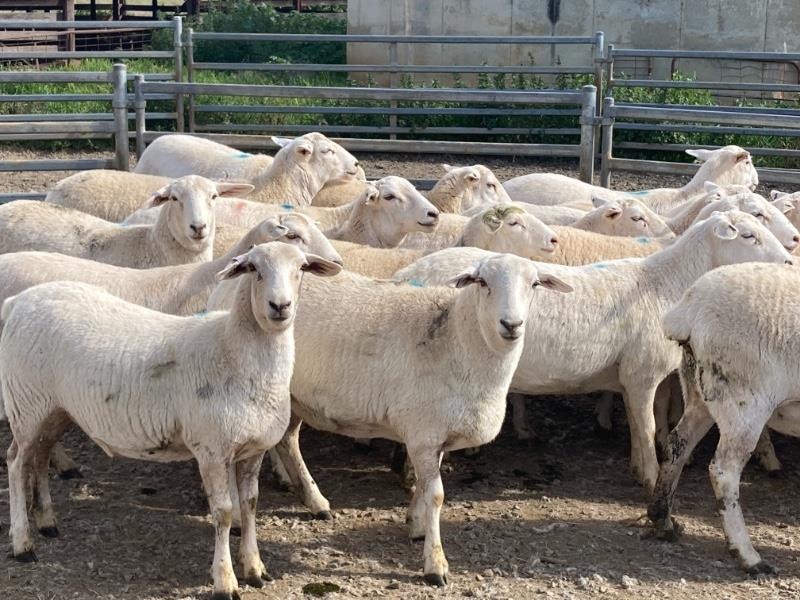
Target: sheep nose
pixel 511 326
pixel 433 214
pixel 789 262
pixel 554 241
pixel 197 229
pixel 796 240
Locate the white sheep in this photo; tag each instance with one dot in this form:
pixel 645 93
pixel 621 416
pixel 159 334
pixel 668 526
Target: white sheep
pixel 501 228
pixel 157 387
pixel 428 367
pixel 464 188
pixel 175 155
pixel 184 232
pixel 682 216
pixel 739 330
pixel 788 204
pixel 553 215
pixel 342 190
pixel 730 164
pixel 300 169
pixel 628 217
pixel 608 337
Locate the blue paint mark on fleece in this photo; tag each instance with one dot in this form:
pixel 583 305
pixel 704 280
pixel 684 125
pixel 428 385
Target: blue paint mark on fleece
pixel 200 314
pixel 643 240
pixel 639 192
pixel 600 265
pixel 416 283
pixel 288 206
pixel 243 155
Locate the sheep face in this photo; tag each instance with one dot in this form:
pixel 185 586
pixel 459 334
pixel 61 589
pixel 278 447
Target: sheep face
pixel 627 217
pixel 730 164
pixel 479 186
pixel 514 231
pixel 275 271
pixel 770 216
pixel 736 237
pixel 398 207
pixel 302 232
pixel 320 157
pixel 505 287
pixel 788 204
pixel 190 208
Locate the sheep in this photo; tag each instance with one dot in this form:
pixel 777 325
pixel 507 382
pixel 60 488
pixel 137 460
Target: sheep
pixel 300 169
pixel 682 216
pixel 501 228
pixel 609 337
pixel 788 204
pixel 343 190
pixel 464 188
pixel 184 232
pixel 739 331
pixel 730 164
pixel 623 217
pixel 552 215
pixel 446 355
pixel 151 386
pixel 175 155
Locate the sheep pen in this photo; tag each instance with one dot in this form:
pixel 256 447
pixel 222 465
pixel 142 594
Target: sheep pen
pixel 557 520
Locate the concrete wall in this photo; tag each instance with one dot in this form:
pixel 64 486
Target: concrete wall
pixel 755 25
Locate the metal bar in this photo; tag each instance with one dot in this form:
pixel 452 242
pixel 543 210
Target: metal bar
pixel 52 77
pixel 81 164
pixel 387 68
pixel 670 168
pixel 598 59
pixel 403 39
pixel 328 93
pixel 393 83
pixel 58 127
pixel 680 148
pixel 737 109
pixel 66 55
pixel 48 25
pixel 607 142
pixel 190 67
pixel 120 107
pixel 722 129
pixel 5 198
pixel 588 112
pixel 139 106
pixel 71 97
pixel 388 129
pixel 177 41
pixel 16 137
pixel 705 116
pixel 366 110
pixel 708 85
pixel 715 54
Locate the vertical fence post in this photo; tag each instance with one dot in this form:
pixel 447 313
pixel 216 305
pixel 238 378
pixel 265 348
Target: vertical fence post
pixel 393 83
pixel 190 74
pixel 139 106
pixel 120 106
pixel 178 43
pixel 588 110
pixel 609 90
pixel 599 57
pixel 607 142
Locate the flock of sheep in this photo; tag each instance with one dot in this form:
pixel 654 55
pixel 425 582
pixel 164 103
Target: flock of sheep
pixel 170 320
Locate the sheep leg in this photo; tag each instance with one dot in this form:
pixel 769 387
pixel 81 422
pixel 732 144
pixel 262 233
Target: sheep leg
pixel 735 446
pixel 233 490
pixel 289 452
pixel 765 453
pixel 43 513
pixel 639 400
pixel 63 463
pixel 520 418
pixel 215 482
pixel 247 471
pixel 603 409
pixel 694 424
pixel 19 459
pixel 426 464
pixel 416 513
pixel 661 407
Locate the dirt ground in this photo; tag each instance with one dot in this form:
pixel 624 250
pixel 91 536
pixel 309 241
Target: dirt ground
pixel 559 519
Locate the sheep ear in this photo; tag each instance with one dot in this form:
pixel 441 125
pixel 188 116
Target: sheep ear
pixel 784 205
pixel 612 211
pixel 598 201
pixel 472 176
pixel 711 188
pixel 304 148
pixel 775 194
pixel 447 168
pixel 281 141
pixel 700 154
pixel 464 279
pixel 319 266
pixel 551 282
pixel 371 195
pixel 234 189
pixel 273 229
pixel 238 266
pixel 158 197
pixel 742 156
pixel 723 228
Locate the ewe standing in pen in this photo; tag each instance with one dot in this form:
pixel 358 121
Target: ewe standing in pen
pixel 183 233
pixel 739 331
pixel 151 386
pixel 607 335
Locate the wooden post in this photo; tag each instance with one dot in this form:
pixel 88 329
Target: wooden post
pixel 116 10
pixel 155 9
pixel 120 106
pixel 93 9
pixel 190 74
pixel 588 115
pixel 67 13
pixel 177 41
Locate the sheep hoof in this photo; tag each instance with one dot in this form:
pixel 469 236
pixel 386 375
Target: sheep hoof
pixel 670 533
pixel 49 532
pixel 26 557
pixel 436 579
pixel 234 595
pixel 776 473
pixel 762 568
pixel 603 432
pixel 418 538
pixel 254 581
pixel 323 515
pixel 71 474
pixel 236 531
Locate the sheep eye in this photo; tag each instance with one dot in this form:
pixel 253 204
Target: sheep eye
pixel 748 236
pixel 292 236
pixel 259 277
pixel 389 197
pixel 491 186
pixel 482 283
pixel 536 284
pixel 173 198
pixel 215 196
pixel 759 216
pixel 328 151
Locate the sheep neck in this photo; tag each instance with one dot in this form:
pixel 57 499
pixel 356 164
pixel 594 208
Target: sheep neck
pixel 365 226
pixel 334 217
pixel 286 181
pixel 447 195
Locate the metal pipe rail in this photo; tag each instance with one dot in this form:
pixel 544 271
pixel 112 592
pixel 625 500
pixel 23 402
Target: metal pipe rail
pixel 687 120
pixel 584 99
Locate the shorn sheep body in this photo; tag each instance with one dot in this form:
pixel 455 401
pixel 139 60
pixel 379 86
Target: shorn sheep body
pixel 157 387
pixel 175 155
pixel 299 170
pixel 739 331
pixel 183 233
pixel 730 164
pixel 608 335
